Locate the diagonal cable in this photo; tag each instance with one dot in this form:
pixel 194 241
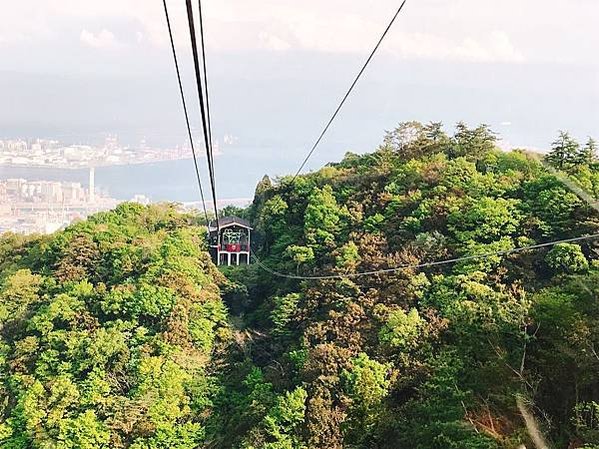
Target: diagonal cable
pixel 207 95
pixel 193 151
pixel 422 265
pixel 205 126
pixel 351 88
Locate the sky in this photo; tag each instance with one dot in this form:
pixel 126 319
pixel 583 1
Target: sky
pixel 80 69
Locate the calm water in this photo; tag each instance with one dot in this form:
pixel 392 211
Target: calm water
pixel 161 181
pixel 237 176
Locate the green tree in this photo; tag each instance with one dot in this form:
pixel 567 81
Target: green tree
pixel 283 422
pixel 401 329
pixel 587 154
pixel 485 219
pixel 567 258
pixel 19 292
pixel 367 384
pixel 473 144
pixel 349 256
pixel 322 218
pixel 301 255
pixel 283 311
pixel 564 152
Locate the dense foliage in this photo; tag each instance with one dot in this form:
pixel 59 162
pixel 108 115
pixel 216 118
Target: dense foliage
pixel 120 332
pixel 435 357
pixel 108 330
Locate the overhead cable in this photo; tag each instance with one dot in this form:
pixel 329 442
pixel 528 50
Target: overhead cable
pixel 193 151
pixel 203 113
pixel 422 265
pixel 206 90
pixel 351 88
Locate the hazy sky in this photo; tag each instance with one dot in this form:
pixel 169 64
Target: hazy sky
pixel 78 69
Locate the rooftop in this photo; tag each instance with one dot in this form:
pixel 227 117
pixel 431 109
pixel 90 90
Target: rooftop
pixel 229 221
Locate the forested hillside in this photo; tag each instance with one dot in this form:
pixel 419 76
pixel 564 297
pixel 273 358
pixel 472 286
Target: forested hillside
pixel 119 331
pixel 434 357
pixel 109 331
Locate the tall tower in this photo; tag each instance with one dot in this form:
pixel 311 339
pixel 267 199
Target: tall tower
pixel 92 187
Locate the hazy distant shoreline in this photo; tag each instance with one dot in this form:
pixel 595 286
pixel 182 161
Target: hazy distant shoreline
pixel 159 181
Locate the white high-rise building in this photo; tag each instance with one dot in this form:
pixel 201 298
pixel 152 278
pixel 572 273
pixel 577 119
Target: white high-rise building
pixel 92 185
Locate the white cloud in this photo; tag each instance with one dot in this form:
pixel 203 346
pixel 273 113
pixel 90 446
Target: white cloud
pixel 427 29
pixel 503 49
pixel 272 42
pixel 103 39
pixel 496 47
pixel 507 146
pixel 286 27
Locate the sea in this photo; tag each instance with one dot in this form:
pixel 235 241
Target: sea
pixel 161 181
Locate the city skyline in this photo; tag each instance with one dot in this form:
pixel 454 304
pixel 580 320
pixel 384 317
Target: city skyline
pixel 29 203
pixel 41 152
pixel 47 206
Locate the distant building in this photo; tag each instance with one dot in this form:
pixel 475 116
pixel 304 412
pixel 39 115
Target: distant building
pixel 16 145
pixel 49 191
pixel 232 245
pixel 92 184
pixel 141 199
pixel 72 192
pixel 14 187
